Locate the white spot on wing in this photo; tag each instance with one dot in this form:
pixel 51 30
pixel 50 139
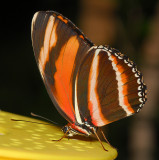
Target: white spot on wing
pixel 139 94
pixel 138 81
pixel 140 99
pixel 139 88
pixel 138 110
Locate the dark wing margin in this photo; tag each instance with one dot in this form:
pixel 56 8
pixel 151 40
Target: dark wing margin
pixel 109 86
pixel 59 48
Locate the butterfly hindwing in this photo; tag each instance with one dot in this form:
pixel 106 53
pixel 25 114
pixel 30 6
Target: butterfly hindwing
pixel 59 48
pixel 109 87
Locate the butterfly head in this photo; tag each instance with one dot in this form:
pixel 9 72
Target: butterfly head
pixel 72 129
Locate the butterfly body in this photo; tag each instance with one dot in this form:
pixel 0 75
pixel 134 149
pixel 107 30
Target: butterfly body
pixel 78 129
pixel 91 86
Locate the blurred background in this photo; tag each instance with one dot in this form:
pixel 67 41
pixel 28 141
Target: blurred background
pixel 130 26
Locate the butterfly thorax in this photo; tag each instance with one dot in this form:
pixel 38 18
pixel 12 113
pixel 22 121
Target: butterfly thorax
pixel 79 129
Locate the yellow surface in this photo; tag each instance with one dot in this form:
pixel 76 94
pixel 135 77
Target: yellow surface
pixel 30 141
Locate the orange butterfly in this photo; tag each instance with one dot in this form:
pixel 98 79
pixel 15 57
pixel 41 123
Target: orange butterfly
pixel 90 86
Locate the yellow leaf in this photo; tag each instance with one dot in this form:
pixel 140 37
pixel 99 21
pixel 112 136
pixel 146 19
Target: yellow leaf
pixel 30 141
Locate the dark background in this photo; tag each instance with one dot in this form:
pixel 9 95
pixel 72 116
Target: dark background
pixel 21 87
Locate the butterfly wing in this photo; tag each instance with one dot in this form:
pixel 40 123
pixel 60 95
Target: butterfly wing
pixel 59 48
pixel 109 87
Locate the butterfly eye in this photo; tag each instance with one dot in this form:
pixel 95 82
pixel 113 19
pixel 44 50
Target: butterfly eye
pixel 65 129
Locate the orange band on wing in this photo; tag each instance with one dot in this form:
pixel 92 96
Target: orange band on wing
pixel 64 66
pixel 64 20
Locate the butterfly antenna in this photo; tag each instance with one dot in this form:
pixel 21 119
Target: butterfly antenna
pixel 99 139
pixel 35 115
pixel 31 121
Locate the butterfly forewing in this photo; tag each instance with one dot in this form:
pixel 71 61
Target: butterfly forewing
pixel 59 49
pixel 109 87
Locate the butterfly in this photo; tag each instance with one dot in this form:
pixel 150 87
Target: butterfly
pixel 90 86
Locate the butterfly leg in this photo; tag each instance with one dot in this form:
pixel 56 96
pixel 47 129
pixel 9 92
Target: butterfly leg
pixel 99 139
pixel 104 137
pixel 62 136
